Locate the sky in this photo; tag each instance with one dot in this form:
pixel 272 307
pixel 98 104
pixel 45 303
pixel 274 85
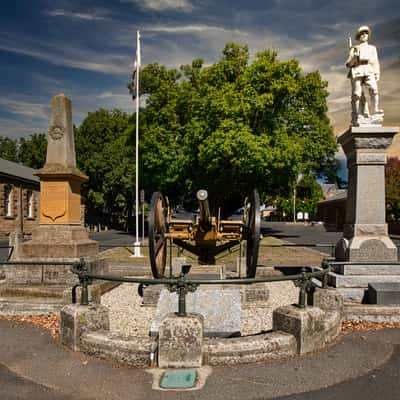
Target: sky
pixel 86 49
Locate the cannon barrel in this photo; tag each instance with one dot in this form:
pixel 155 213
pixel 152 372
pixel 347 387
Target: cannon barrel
pixel 204 207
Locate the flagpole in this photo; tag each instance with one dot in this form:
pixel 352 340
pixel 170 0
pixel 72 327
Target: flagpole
pixel 137 243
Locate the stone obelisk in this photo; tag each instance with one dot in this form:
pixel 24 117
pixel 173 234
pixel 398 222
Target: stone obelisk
pixel 60 235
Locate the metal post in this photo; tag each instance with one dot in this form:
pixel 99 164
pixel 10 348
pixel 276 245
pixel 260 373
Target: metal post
pixel 302 293
pixel 294 204
pixel 137 242
pixel 143 221
pixel 84 281
pixel 302 296
pixel 85 293
pixel 182 302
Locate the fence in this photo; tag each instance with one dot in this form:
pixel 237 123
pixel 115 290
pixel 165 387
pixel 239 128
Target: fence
pixel 182 285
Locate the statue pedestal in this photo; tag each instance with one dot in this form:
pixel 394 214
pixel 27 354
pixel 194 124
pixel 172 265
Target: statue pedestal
pixel 365 234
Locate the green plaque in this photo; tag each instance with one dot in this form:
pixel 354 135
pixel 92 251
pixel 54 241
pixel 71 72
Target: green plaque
pixel 178 379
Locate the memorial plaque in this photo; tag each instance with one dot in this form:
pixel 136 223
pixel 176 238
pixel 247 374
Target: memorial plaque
pixel 53 201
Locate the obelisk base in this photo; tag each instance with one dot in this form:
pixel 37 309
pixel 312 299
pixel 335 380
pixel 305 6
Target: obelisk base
pixel 58 244
pixel 366 242
pixel 58 241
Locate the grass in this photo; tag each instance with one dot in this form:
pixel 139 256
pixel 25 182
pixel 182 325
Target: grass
pixel 270 254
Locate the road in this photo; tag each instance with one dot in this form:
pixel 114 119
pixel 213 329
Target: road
pixel 293 233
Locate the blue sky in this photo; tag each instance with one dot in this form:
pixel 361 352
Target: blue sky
pixel 86 48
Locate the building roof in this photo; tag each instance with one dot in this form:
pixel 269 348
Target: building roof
pixel 340 195
pixel 17 171
pixel 328 189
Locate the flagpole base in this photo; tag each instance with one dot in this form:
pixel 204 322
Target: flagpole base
pixel 137 252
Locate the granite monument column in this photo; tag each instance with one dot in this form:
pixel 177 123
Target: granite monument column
pixel 365 234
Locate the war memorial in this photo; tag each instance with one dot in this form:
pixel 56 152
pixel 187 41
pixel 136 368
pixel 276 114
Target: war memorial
pixel 197 308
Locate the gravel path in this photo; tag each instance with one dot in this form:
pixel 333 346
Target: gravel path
pixel 127 316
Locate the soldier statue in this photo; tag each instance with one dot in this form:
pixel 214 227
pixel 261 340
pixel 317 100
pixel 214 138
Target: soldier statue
pixel 364 73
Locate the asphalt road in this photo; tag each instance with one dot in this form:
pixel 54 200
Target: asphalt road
pixel 358 366
pixel 292 233
pixel 14 387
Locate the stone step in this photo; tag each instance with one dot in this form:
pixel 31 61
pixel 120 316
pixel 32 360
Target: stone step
pixel 131 350
pixel 32 291
pixel 128 269
pixel 249 349
pixel 353 295
pixel 360 269
pixel 358 281
pixel 372 313
pixel 23 306
pixel 384 293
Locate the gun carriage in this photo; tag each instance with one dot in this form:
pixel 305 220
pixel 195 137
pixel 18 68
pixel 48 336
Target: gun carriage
pixel 205 235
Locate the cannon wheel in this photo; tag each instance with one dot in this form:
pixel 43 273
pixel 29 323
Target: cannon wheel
pixel 157 230
pixel 253 235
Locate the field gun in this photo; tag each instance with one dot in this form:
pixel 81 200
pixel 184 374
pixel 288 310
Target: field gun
pixel 205 235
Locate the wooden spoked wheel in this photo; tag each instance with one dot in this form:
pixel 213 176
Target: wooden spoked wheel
pixel 157 230
pixel 253 235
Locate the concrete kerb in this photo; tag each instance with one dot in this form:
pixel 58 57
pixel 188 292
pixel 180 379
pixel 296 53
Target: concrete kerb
pixel 296 331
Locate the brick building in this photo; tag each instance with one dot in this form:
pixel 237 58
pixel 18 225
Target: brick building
pixel 19 195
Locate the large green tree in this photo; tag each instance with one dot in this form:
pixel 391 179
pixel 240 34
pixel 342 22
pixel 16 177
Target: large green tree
pixel 233 126
pixel 105 155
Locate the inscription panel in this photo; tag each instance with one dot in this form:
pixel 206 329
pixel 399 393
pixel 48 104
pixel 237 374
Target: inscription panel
pixel 54 201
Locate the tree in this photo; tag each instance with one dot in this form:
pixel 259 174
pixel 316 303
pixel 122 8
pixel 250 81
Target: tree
pixel 32 151
pixel 392 178
pixel 232 127
pixel 8 149
pixel 105 155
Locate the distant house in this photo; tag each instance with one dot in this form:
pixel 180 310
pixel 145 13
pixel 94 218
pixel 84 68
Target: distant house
pixel 332 209
pixel 19 198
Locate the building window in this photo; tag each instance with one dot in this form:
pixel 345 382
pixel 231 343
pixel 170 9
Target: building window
pixel 8 197
pixel 30 201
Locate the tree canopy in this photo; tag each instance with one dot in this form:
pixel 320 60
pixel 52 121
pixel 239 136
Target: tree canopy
pixel 392 178
pixel 104 154
pixel 233 126
pixel 30 152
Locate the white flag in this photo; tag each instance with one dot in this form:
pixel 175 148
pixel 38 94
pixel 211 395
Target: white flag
pixel 136 67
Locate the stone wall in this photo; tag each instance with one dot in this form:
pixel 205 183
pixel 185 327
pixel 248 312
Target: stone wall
pixel 10 223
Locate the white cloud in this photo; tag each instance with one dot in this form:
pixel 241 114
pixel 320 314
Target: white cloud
pixel 162 5
pixel 75 15
pixel 185 29
pixel 27 109
pixel 68 54
pixel 15 129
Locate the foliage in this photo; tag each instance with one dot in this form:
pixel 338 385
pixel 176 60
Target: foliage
pixel 8 149
pixel 328 171
pixel 104 154
pixel 30 152
pixel 392 177
pixel 308 193
pixel 232 127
